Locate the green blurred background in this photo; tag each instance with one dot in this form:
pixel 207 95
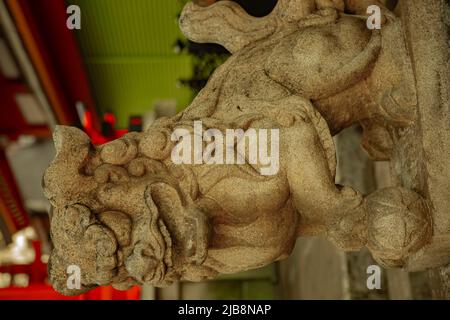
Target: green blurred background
pixel 129 53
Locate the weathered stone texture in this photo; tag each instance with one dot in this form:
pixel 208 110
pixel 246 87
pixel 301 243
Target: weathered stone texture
pixel 126 214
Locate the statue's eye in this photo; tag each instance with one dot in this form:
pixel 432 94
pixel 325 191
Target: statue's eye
pixel 148 252
pixel 75 220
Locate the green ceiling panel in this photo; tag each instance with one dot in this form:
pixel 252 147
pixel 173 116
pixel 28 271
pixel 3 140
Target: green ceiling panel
pixel 127 47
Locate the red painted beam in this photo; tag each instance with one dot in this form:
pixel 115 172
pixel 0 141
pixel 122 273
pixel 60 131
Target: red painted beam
pixel 13 123
pixel 55 54
pixel 11 207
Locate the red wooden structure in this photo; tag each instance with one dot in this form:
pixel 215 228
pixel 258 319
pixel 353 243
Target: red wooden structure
pixel 39 289
pixel 54 54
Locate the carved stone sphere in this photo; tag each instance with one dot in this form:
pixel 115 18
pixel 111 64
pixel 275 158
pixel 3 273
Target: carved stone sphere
pixel 399 224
